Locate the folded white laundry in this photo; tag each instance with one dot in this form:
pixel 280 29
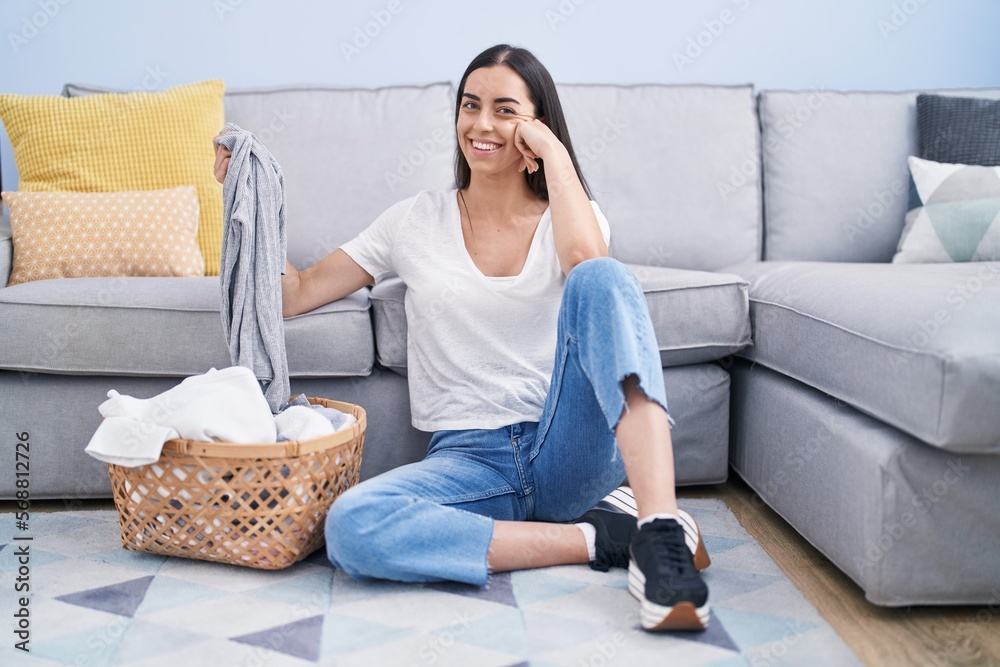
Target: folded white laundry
pixel 339 420
pixel 221 405
pixel 301 423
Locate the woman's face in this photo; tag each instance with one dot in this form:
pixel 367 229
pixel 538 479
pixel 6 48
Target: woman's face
pixel 493 99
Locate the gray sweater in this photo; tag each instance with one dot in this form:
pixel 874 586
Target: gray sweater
pixel 253 259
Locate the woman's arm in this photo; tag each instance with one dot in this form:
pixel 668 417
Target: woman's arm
pixel 575 230
pixel 331 278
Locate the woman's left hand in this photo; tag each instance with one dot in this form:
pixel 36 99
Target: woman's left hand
pixel 535 141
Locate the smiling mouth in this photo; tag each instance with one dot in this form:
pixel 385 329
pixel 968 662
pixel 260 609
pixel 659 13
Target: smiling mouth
pixel 487 146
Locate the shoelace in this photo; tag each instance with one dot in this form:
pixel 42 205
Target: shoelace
pixel 667 541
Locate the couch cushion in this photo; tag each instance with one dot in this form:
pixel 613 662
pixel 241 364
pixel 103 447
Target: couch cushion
pixel 133 233
pixel 674 168
pixel 835 172
pixel 915 345
pixel 697 316
pixel 162 327
pixel 954 213
pixel 349 154
pixel 959 130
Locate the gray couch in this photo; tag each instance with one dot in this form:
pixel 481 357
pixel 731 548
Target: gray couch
pixel 836 415
pixel 867 412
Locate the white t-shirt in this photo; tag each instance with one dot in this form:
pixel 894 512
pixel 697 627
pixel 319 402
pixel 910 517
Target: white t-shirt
pixel 480 350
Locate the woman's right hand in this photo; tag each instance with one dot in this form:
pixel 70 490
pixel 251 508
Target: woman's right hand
pixel 222 156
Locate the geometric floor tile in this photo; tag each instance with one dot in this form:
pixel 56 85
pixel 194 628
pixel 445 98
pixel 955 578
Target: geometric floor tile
pixel 8 558
pixel 221 653
pixel 229 616
pixel 719 523
pixel 348 589
pixel 504 631
pixel 606 605
pixel 752 630
pixel 747 557
pixel 144 640
pixel 301 638
pixel 583 574
pixel 716 635
pixel 143 562
pixel 88 539
pixel 735 661
pixel 71 575
pixel 497 589
pixel 94 647
pixel 311 590
pixel 424 649
pixel 776 598
pixel 122 599
pixel 47 523
pixel 636 648
pixel 532 586
pixel 94 603
pixel 347 634
pixel 22 659
pixel 561 633
pixel 232 578
pixel 167 593
pixel 53 619
pixel 716 545
pixel 798 649
pixel 725 584
pixel 421 609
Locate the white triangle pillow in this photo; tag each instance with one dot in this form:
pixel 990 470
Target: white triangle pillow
pixel 954 214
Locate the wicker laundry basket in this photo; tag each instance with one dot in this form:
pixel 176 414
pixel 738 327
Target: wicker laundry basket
pixel 257 505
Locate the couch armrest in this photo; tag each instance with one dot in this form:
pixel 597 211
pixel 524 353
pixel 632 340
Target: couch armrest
pixel 6 250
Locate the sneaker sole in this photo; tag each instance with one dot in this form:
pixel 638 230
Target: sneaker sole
pixel 656 618
pixel 623 499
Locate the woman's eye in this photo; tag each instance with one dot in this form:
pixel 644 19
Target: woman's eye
pixel 505 110
pixel 471 106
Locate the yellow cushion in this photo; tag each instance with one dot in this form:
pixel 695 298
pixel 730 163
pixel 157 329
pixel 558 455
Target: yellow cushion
pixel 94 234
pixel 115 142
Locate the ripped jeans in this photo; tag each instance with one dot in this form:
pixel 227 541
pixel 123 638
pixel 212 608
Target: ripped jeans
pixel 433 520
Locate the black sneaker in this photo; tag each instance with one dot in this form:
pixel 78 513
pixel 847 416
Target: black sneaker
pixel 662 576
pixel 614 535
pixel 624 499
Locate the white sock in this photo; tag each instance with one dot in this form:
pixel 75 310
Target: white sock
pixel 652 517
pixel 590 535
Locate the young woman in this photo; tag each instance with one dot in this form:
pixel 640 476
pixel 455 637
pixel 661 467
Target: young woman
pixel 539 375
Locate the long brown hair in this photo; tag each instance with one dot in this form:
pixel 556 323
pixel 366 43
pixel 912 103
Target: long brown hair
pixel 542 91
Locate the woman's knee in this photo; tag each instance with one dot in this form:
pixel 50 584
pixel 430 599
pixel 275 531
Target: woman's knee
pixel 599 272
pixel 349 544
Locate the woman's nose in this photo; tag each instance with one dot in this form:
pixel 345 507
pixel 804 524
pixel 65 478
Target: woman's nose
pixel 483 122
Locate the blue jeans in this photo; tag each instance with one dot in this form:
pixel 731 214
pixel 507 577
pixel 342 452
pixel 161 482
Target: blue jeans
pixel 433 520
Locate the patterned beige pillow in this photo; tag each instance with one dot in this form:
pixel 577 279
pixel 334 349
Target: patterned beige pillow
pixel 94 234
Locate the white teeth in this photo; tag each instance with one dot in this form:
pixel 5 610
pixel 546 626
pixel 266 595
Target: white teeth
pixel 485 146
